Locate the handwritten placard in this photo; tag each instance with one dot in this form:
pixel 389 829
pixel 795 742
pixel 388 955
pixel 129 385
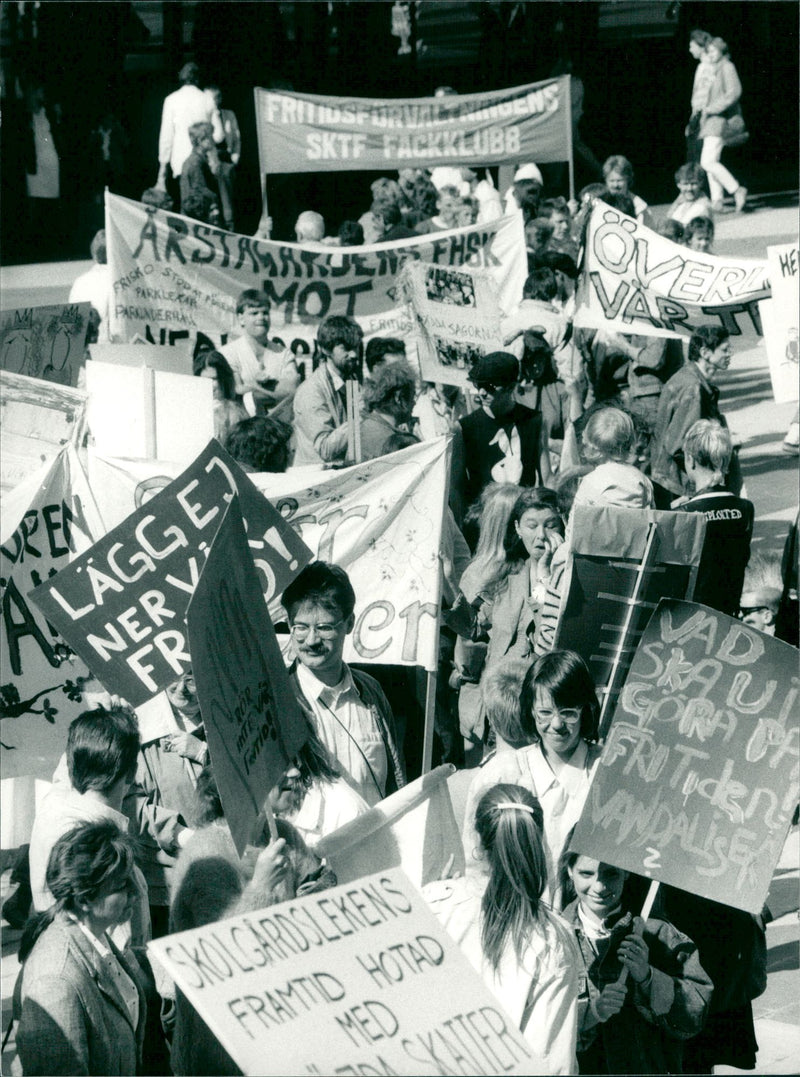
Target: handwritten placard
pixel 698 778
pixel 360 979
pixel 253 722
pixel 45 342
pixel 121 606
pixel 781 321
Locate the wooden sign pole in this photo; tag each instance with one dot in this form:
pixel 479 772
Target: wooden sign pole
pixel 647 908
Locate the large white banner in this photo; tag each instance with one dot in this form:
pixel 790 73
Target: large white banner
pixel 173 276
pixel 781 316
pixel 636 281
pixel 381 521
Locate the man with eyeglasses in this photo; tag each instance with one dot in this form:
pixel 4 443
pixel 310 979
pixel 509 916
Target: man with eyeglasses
pixel 502 440
pixel 320 408
pixel 347 707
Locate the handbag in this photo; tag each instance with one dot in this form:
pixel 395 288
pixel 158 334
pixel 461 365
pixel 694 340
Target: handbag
pixel 735 132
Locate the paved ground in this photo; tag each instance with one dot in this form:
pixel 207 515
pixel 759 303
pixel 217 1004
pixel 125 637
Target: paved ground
pixel 772 484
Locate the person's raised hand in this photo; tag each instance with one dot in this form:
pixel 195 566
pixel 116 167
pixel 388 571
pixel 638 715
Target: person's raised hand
pixel 272 865
pixel 634 954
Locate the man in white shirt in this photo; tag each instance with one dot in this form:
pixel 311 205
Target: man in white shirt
pixel 94 286
pixel 347 707
pixel 265 373
pixel 183 108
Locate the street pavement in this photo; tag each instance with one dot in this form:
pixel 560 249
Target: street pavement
pixel 771 479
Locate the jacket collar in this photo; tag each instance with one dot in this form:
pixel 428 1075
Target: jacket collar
pixel 90 958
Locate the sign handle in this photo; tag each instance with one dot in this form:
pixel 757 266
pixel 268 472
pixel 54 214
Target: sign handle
pixel 647 908
pixel 353 394
pixel 648 558
pixel 430 711
pixel 266 815
pixel 151 447
pixel 571 157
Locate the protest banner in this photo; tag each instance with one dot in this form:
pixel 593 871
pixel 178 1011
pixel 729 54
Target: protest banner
pixel 621 562
pixel 45 342
pixel 121 605
pixel 38 419
pixel 780 318
pixel 178 275
pixel 170 360
pixel 414 829
pixel 698 778
pixel 382 521
pixel 636 281
pixel 457 316
pixel 252 718
pixel 359 979
pixel 46 524
pixel 143 412
pixel 312 133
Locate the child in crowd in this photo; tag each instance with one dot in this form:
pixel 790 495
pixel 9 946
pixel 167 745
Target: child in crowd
pixel 707 451
pixel 609 442
pixel 691 202
pixel 699 235
pixel 761 593
pixel 671 229
pixel 557 212
pixel 638 1026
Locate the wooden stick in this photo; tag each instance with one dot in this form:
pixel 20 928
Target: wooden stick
pixel 150 443
pixel 651 546
pixel 430 712
pixel 571 157
pixel 270 819
pixel 647 908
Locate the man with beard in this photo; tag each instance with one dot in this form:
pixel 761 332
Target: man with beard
pixel 320 404
pixel 346 707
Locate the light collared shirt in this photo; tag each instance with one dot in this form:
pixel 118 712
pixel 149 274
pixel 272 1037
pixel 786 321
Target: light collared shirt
pixel 349 731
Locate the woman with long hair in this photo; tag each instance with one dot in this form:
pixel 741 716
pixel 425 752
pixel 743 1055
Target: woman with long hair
pixel 83 1001
pixel 228 411
pixel 524 952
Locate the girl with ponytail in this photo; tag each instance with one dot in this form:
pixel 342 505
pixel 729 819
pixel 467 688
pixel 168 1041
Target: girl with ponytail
pixel 525 953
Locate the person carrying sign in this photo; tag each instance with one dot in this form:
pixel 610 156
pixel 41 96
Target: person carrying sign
pixel 638 1026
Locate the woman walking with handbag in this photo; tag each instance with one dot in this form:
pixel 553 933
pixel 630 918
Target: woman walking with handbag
pixel 723 103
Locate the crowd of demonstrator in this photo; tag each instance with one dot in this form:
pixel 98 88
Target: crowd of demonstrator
pixel 132 840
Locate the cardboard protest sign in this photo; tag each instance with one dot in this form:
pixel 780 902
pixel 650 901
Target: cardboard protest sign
pixel 46 524
pixel 457 316
pixel 600 618
pixel 698 778
pixel 252 719
pixel 311 133
pixel 382 521
pixel 38 419
pixel 780 317
pixel 359 979
pixel 636 281
pixel 45 342
pixel 142 412
pixel 415 829
pixel 121 605
pixel 170 360
pixel 178 274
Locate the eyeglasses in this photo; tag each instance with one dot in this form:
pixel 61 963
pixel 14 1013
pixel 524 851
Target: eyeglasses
pixel 570 716
pixel 490 390
pixel 745 610
pixel 301 631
